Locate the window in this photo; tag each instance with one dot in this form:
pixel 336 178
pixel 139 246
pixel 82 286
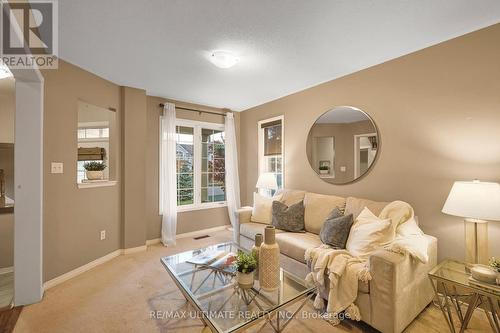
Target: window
pixel 200 165
pixel 271 149
pixel 93 133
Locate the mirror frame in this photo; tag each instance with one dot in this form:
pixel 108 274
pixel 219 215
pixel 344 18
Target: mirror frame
pixel 377 156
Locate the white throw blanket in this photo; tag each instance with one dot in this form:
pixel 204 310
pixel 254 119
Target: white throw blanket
pixel 344 271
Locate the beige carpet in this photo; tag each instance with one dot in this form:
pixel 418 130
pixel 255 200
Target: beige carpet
pixel 119 296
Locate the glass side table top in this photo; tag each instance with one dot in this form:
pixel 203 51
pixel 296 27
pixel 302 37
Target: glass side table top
pixel 215 294
pixel 458 273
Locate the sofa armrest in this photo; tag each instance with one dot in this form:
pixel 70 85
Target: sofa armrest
pixel 400 285
pixel 244 214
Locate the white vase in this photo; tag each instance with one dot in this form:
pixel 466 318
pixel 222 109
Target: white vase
pixel 95 175
pixel 269 265
pixel 245 280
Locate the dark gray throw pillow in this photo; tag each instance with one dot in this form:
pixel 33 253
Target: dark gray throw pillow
pixel 336 228
pixel 288 218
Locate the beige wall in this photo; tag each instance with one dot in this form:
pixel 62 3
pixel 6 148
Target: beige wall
pixel 134 131
pixel 186 221
pixel 6 240
pixel 7 110
pixel 74 217
pixel 438 112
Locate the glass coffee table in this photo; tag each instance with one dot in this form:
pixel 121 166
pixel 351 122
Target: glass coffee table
pixel 222 304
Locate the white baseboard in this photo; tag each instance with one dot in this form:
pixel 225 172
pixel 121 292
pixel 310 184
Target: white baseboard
pixel 6 270
pixel 134 249
pixel 201 232
pixel 77 271
pixel 191 234
pixel 154 241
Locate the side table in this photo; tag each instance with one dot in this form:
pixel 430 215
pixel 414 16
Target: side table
pixel 451 281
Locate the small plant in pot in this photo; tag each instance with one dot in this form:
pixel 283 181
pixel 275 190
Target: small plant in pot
pixel 245 265
pixel 324 169
pixel 94 170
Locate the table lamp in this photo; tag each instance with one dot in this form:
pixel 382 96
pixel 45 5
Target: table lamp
pixel 267 181
pixel 477 202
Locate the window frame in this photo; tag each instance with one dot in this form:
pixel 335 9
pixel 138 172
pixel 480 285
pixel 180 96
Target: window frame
pixel 261 157
pixel 197 158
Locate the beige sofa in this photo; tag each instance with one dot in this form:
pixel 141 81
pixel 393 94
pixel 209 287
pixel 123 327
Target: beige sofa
pixel 399 289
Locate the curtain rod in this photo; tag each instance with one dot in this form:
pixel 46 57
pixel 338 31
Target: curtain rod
pixel 194 110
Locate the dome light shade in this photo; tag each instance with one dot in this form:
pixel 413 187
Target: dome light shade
pixel 223 59
pixel 474 200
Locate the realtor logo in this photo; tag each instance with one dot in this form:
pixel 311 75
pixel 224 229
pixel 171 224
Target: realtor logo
pixel 29 34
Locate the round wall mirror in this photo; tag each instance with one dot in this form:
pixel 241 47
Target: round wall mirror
pixel 342 145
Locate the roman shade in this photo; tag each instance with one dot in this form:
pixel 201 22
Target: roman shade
pixel 272 138
pixel 91 154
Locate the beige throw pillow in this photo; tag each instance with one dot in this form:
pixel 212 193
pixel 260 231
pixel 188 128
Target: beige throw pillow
pixel 369 233
pixel 354 206
pixel 262 211
pixel 317 209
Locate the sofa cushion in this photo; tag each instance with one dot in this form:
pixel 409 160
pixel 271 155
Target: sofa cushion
pixel 249 230
pixel 262 211
pixel 336 228
pixel 317 209
pixel 290 197
pixel 354 206
pixel 289 218
pixel 294 245
pixel 369 233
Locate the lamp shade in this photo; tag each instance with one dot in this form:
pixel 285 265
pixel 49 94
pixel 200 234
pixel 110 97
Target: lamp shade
pixel 267 181
pixel 475 200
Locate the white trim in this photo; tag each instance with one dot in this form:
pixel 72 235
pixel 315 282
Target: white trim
pixel 202 206
pixel 135 249
pixel 6 270
pixel 153 241
pixel 260 142
pixel 197 158
pixel 97 184
pixel 82 269
pixel 201 232
pixel 194 123
pixel 356 157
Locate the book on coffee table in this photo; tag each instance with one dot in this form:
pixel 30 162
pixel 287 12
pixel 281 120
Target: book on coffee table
pixel 207 257
pixel 225 264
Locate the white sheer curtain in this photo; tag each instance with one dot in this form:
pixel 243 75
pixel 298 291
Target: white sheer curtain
pixel 168 177
pixel 232 179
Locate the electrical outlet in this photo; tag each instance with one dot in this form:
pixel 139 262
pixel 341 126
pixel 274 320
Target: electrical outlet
pixel 103 234
pixel 56 167
pixel 343 169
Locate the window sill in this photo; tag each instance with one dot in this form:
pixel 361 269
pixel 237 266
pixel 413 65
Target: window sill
pixel 201 207
pixel 106 183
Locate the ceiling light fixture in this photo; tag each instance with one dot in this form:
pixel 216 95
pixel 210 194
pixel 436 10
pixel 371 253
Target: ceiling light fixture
pixel 223 59
pixel 4 72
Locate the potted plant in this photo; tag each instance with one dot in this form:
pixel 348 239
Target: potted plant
pixel 245 265
pixel 94 170
pixel 324 169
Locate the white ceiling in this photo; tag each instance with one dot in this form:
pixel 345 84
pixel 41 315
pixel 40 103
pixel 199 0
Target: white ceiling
pixel 284 45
